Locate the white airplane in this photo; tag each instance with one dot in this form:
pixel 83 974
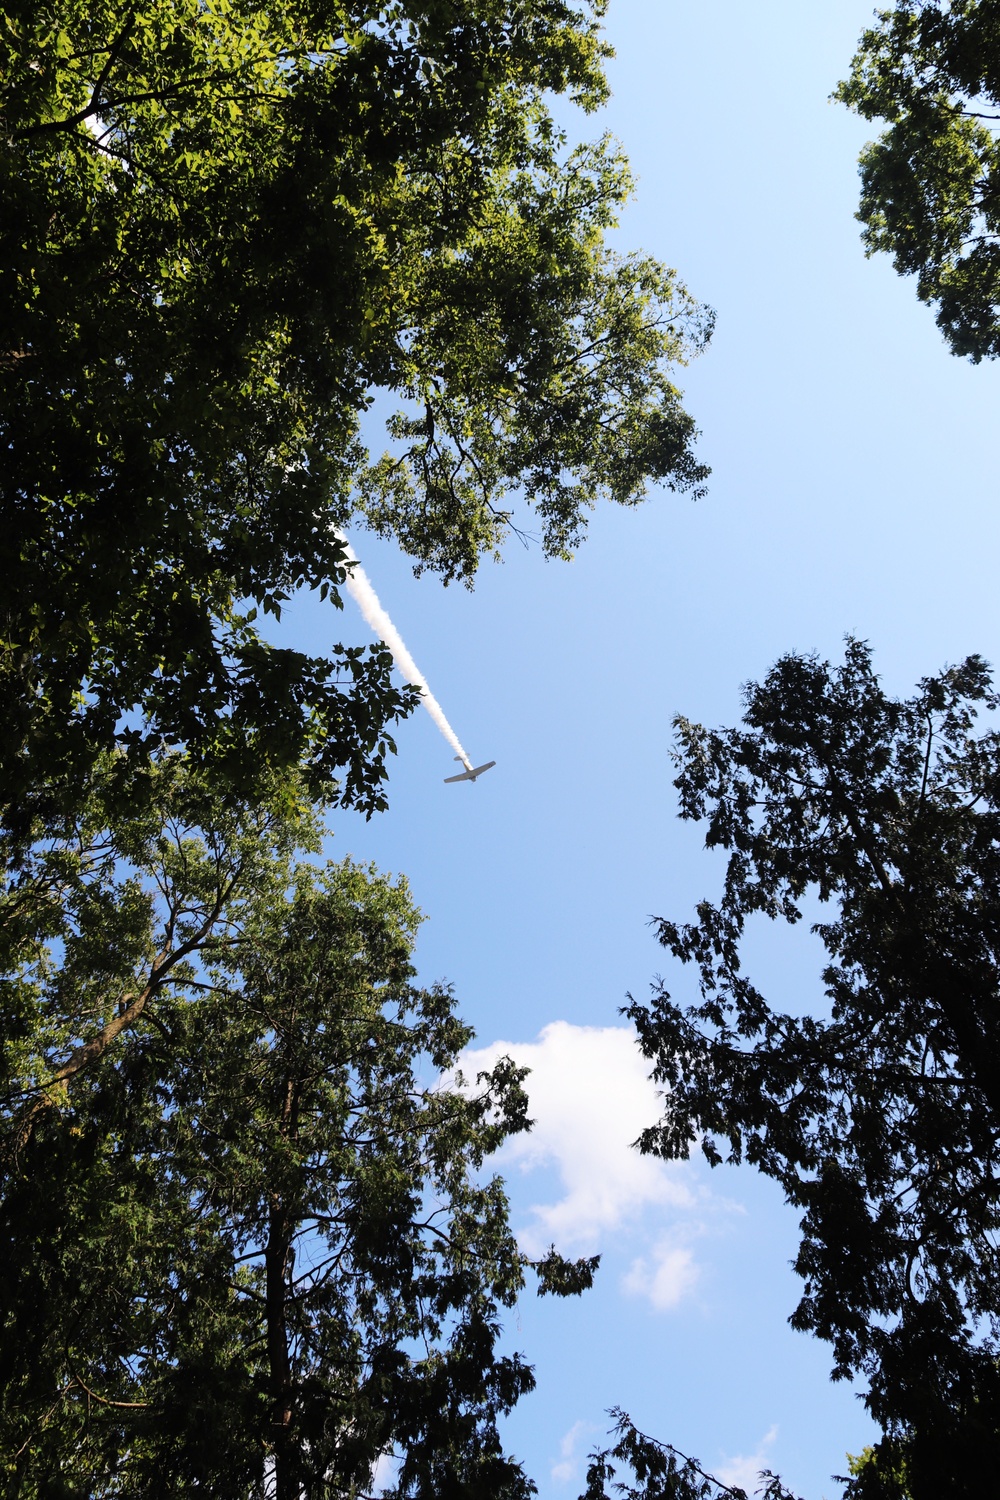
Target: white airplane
pixel 471 772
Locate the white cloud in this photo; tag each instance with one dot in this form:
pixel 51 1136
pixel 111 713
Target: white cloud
pixel 667 1276
pixel 565 1469
pixel 589 1096
pixel 744 1470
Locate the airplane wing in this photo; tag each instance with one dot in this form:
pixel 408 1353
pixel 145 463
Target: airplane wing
pixel 472 773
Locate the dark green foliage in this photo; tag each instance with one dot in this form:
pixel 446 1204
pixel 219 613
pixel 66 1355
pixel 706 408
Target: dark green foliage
pixel 225 229
pixel 877 1111
pixel 247 1244
pixel 930 183
pixel 659 1471
pixel 564 1278
pixel 879 1472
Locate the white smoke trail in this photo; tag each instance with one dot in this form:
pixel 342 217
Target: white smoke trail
pixel 360 589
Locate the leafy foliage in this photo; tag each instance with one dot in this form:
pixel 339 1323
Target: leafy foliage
pixel 878 1112
pixel 225 229
pixel 660 1471
pixel 248 1247
pixel 879 1472
pixel 563 1278
pixel 930 192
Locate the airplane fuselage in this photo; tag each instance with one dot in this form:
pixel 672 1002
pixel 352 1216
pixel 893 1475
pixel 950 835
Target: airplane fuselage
pixel 471 772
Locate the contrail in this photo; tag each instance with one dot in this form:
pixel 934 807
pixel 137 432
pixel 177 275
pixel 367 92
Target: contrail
pixel 360 589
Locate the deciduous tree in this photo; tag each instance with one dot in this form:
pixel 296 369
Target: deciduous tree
pixel 226 229
pixel 930 183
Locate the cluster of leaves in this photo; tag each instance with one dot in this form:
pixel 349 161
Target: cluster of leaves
pixel 660 1472
pixel 248 1247
pixel 931 182
pixel 879 1114
pixel 880 1472
pixel 225 227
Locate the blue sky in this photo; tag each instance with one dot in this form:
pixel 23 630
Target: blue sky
pixel 854 467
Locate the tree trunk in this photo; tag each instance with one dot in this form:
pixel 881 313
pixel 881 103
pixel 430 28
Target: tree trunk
pixel 275 1263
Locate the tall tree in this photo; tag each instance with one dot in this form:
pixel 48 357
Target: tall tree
pixel 930 184
pixel 875 1103
pixel 226 228
pixel 248 1245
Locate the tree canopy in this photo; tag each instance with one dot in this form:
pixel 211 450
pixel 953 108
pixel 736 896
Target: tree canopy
pixel 231 236
pixel 248 1244
pixel 875 1103
pixel 930 183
